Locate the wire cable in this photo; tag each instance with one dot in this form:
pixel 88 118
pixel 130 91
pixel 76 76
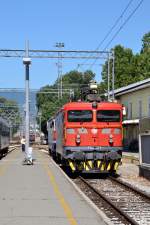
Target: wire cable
pixel 120 28
pixel 115 24
pixel 112 28
pixel 125 22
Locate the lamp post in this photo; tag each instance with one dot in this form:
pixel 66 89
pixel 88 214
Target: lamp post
pixel 27 62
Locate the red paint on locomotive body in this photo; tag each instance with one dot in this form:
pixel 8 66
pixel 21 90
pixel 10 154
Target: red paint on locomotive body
pixel 89 136
pixel 93 133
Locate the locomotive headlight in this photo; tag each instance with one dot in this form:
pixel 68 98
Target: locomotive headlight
pixel 94 105
pixel 111 139
pixel 94 131
pixel 78 140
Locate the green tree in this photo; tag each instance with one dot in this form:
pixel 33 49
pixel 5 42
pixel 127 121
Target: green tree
pixel 144 62
pixel 123 67
pixel 49 103
pixel 146 43
pixel 129 68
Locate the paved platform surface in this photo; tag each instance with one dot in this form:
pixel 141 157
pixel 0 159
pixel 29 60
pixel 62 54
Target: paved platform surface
pixel 40 194
pixel 131 154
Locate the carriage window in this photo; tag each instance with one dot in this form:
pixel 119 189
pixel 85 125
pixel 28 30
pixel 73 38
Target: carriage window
pixel 108 116
pixel 80 116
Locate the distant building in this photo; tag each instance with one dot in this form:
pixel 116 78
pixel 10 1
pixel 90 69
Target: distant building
pixel 136 98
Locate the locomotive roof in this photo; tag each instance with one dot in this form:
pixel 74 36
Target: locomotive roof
pixel 88 105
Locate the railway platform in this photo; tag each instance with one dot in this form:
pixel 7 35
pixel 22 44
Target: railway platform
pixel 41 194
pixel 130 157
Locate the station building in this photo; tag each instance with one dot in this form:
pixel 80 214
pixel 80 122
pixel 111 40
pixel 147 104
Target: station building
pixel 136 99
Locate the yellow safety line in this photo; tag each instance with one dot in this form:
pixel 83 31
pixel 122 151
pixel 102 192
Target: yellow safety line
pixel 64 204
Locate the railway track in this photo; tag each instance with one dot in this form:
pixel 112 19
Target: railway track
pixel 12 148
pixel 119 201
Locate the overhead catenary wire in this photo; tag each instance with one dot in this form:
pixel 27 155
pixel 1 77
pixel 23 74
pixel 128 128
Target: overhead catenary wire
pixel 115 24
pixel 125 22
pixel 120 28
pixel 110 30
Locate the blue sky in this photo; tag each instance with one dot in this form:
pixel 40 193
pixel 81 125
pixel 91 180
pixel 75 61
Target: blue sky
pixel 80 24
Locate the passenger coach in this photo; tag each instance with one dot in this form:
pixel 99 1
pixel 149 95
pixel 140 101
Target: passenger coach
pixel 4 136
pixel 51 128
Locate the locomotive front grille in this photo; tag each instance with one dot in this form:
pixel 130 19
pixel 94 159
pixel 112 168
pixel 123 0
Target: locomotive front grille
pixel 93 159
pixel 95 166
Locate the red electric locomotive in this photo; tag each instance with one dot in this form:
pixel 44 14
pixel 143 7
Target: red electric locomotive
pixel 89 135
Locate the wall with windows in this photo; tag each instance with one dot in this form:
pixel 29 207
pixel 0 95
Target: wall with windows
pixel 137 103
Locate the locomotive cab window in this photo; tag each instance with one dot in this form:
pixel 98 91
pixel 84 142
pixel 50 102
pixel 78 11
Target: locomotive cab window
pixel 108 115
pixel 80 116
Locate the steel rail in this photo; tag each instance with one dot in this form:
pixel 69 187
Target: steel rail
pixel 129 186
pixel 121 212
pixel 11 150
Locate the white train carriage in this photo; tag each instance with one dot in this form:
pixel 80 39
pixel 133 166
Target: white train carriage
pixel 51 136
pixel 4 136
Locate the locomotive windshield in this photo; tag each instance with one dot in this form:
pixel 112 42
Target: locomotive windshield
pixel 108 115
pixel 80 116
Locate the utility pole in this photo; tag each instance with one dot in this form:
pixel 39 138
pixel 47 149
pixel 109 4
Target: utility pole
pixel 60 85
pixel 40 117
pixel 108 78
pixel 113 74
pixel 27 62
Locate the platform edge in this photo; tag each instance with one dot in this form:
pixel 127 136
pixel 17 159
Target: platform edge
pixel 99 212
